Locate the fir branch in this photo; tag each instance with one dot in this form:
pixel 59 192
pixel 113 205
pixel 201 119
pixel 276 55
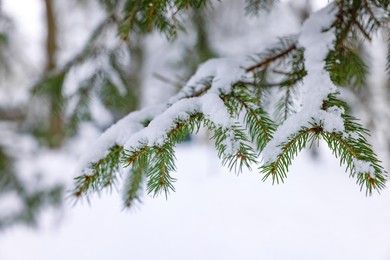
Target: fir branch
pixel 350 146
pixel 160 166
pixel 133 156
pixel 233 147
pixel 346 67
pixel 290 149
pixel 157 162
pixel 256 120
pixel 354 139
pixel 183 128
pixel 350 150
pixel 200 88
pixel 154 160
pixel 285 106
pixel 144 16
pixel 139 161
pixel 201 92
pixel 355 16
pixel 162 160
pixel 344 23
pixel 133 186
pixel 104 174
pixel 185 4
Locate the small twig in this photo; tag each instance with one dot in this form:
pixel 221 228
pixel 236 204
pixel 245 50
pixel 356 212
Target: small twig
pixel 151 12
pixel 271 59
pixel 369 9
pixel 258 120
pixel 362 30
pixel 344 33
pixel 166 80
pixel 281 72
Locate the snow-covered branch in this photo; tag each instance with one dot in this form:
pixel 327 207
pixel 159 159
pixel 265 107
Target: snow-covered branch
pixel 223 96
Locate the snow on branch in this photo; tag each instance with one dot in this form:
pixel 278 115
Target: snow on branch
pixel 321 114
pixel 117 134
pixel 152 132
pixel 226 99
pixel 316 85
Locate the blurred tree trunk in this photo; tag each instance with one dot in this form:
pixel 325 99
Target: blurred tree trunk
pixel 51 45
pixel 56 131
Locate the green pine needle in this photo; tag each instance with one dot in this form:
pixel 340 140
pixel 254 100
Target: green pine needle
pixel 147 15
pixel 256 120
pixel 243 155
pixel 158 173
pixel 350 146
pixel 346 68
pixel 133 187
pixel 290 149
pixel 104 174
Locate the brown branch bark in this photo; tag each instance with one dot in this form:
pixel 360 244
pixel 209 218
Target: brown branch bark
pixel 271 59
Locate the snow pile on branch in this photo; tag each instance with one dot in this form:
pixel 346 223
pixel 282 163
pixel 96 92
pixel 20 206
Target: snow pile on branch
pixel 317 40
pixel 222 98
pixel 117 134
pixel 215 75
pixel 210 105
pixel 199 95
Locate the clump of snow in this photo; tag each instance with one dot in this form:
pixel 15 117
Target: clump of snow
pixel 337 111
pixel 332 120
pixel 316 85
pixel 361 167
pixel 158 128
pixel 210 105
pixel 317 44
pixel 215 110
pixel 227 72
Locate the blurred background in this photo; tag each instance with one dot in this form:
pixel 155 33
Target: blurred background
pixel 66 74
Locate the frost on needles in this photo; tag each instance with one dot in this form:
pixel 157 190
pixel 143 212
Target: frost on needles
pixel 228 97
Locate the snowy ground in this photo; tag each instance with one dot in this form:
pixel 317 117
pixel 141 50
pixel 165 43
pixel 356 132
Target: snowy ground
pixel 318 213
